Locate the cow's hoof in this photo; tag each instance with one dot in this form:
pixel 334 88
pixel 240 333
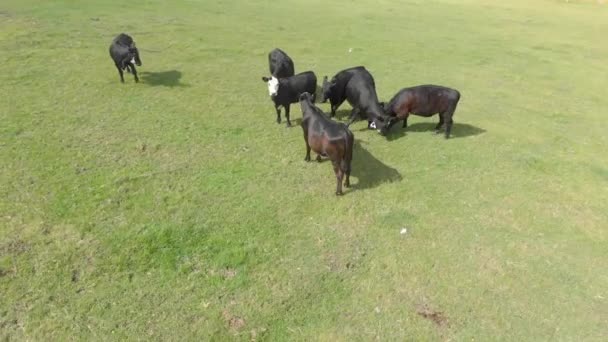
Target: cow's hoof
pixel 447 137
pixel 339 193
pixel 319 159
pixel 288 124
pixel 307 159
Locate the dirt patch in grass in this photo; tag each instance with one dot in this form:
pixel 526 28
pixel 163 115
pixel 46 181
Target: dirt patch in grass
pixel 14 247
pixel 437 317
pixel 228 273
pixel 235 323
pixel 75 276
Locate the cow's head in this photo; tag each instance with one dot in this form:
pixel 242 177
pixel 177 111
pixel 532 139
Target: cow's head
pixel 387 109
pixel 326 89
pixel 134 53
pixel 305 96
pixel 382 124
pixel 273 85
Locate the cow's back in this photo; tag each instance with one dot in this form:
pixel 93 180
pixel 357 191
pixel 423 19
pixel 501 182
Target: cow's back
pixel 341 80
pixel 280 64
pixel 120 46
pixel 361 89
pixel 123 39
pixel 424 100
pixel 303 82
pixel 291 88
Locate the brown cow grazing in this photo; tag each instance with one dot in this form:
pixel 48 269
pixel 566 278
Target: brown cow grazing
pixel 424 100
pixel 327 138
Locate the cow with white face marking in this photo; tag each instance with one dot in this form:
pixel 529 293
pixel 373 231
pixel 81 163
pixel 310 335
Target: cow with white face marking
pixel 280 64
pixel 285 91
pixel 125 55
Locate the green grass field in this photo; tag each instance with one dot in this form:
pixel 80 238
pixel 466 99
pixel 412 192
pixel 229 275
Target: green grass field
pixel 177 209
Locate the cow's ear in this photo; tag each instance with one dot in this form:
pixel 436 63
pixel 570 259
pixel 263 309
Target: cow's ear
pixel 265 79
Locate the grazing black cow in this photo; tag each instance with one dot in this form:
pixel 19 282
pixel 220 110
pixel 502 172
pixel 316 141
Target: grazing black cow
pixel 424 100
pixel 327 138
pixel 280 64
pixel 285 91
pixel 361 95
pixel 357 86
pixel 125 55
pixel 335 90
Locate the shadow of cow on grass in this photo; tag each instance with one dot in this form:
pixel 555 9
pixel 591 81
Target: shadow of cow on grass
pixel 369 171
pixel 459 130
pixel 171 78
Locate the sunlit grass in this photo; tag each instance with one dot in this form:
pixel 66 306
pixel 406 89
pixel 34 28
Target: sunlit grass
pixel 178 208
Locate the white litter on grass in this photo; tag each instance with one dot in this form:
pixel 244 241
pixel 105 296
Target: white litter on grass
pixel 350 50
pixel 403 231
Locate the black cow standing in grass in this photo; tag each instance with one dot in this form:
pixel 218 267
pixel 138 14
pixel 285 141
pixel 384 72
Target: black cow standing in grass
pixel 280 64
pixel 357 86
pixel 285 91
pixel 424 100
pixel 335 89
pixel 361 95
pixel 327 138
pixel 125 55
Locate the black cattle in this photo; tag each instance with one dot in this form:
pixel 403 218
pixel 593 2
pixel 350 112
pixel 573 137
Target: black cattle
pixel 327 138
pixel 125 55
pixel 361 95
pixel 335 90
pixel 285 91
pixel 357 86
pixel 423 100
pixel 280 64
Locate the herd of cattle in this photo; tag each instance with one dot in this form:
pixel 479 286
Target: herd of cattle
pixel 326 137
pixel 332 139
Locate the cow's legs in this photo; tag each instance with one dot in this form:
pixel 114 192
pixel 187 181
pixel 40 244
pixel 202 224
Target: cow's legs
pixel 347 175
pixel 440 124
pixel 446 117
pixel 339 175
pixel 134 72
pixel 353 116
pixel 333 110
pixel 128 68
pixel 448 123
pixel 287 116
pixel 307 157
pixel 122 79
pixel 405 121
pixel 278 113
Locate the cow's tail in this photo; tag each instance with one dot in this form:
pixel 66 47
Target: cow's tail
pixel 345 163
